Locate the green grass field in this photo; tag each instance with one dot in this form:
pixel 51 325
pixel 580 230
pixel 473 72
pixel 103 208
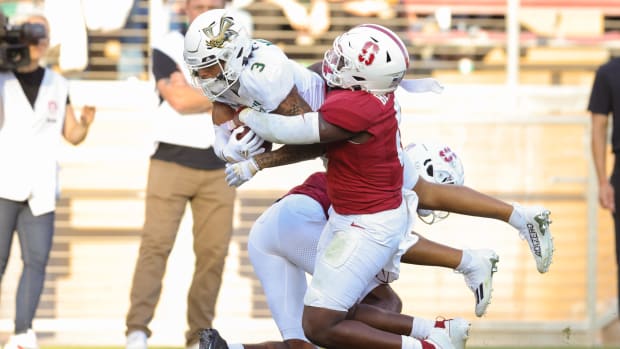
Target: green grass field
pixel 91 347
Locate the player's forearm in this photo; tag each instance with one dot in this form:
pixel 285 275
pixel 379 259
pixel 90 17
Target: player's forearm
pixel 299 129
pixel 289 154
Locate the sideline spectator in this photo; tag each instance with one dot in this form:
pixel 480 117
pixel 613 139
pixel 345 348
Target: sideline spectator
pixel 35 111
pixel 605 99
pixel 183 169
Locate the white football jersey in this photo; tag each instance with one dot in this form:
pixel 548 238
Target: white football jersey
pixel 268 78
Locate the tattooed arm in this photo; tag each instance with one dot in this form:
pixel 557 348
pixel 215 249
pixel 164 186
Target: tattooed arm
pixel 289 154
pixel 293 104
pixel 241 172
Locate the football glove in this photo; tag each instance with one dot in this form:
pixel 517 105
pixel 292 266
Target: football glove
pixel 242 146
pixel 222 134
pixel 241 172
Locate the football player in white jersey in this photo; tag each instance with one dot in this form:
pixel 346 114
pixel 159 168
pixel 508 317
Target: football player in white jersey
pixel 223 59
pixel 283 245
pixel 228 80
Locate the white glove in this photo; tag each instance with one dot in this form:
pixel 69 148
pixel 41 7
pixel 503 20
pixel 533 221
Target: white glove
pixel 242 149
pixel 241 172
pixel 222 133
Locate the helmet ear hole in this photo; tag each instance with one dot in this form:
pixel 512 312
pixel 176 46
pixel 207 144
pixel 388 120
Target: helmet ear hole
pixel 429 171
pixel 428 166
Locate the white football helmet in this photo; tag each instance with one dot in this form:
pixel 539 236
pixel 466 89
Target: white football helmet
pixel 216 37
pixel 367 57
pixel 439 164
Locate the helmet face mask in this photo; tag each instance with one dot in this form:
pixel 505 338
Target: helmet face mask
pixel 216 38
pixel 212 86
pixel 436 163
pixel 368 57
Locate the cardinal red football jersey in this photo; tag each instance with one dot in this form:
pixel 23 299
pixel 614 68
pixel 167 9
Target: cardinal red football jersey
pixel 364 178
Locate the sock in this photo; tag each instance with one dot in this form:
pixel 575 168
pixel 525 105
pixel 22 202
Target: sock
pixel 517 220
pixel 235 346
pixel 421 328
pixel 410 343
pixel 440 323
pixel 465 262
pixel 427 345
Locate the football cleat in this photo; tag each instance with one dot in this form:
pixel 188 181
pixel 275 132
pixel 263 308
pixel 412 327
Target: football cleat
pixel 479 278
pixel 439 339
pixel 538 235
pixel 457 329
pixel 211 339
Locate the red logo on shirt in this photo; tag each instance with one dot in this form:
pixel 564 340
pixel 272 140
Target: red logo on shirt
pixel 52 107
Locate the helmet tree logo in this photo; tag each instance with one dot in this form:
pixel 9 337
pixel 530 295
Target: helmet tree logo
pixel 367 56
pixel 223 35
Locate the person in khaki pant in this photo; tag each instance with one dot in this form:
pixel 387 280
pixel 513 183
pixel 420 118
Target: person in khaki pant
pixel 183 169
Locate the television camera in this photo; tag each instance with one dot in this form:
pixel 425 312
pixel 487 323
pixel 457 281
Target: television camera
pixel 14 41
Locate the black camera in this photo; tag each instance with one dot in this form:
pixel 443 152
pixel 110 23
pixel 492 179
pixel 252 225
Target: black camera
pixel 14 41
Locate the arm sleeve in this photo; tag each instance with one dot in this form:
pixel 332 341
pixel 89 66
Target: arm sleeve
pixel 163 65
pixel 298 129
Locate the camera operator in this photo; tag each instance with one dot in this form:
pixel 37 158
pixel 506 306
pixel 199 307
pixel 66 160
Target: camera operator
pixel 35 111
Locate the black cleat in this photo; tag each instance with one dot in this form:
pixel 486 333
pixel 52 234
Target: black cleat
pixel 211 339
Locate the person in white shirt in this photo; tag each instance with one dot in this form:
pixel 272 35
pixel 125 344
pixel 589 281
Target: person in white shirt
pixel 183 170
pixel 35 114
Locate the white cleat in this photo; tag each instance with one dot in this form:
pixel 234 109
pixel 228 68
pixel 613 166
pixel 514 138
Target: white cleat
pixel 439 339
pixel 538 235
pixel 457 329
pixel 479 278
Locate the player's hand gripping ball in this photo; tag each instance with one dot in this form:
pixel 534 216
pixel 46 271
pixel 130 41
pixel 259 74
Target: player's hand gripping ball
pixel 243 130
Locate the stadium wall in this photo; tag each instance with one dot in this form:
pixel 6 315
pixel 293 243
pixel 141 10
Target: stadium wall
pixel 528 144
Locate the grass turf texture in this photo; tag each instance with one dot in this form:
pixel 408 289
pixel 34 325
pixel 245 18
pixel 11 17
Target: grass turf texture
pixel 120 347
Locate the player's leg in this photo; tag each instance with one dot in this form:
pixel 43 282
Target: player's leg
pixel 282 247
pixel 477 266
pixel 350 255
pixel 532 222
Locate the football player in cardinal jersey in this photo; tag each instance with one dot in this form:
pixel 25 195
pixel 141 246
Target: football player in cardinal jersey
pixel 371 214
pixel 283 245
pixel 222 83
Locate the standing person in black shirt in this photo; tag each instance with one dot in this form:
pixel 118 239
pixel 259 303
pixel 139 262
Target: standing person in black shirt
pixel 605 100
pixel 183 169
pixel 35 113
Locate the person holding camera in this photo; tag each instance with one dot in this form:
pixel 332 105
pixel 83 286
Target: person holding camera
pixel 35 111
